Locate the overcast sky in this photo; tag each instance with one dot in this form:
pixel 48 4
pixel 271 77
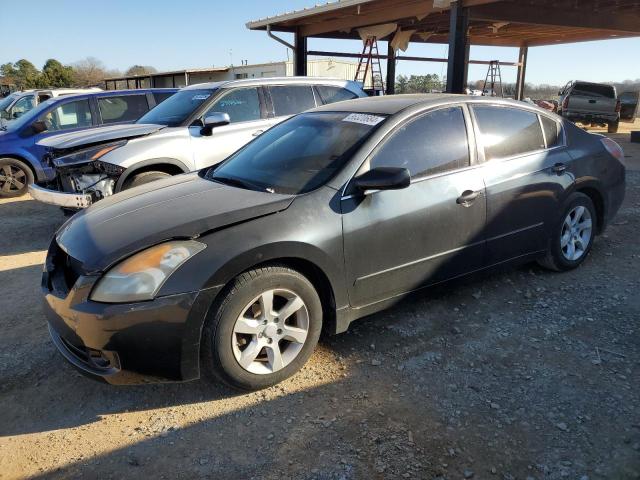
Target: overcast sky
pixel 173 35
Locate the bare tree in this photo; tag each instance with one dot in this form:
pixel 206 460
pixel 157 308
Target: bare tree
pixel 89 72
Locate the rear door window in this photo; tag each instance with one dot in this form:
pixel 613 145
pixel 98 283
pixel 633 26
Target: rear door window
pixel 551 131
pixel 125 108
pixel 507 132
pixel 329 94
pixel 433 143
pixel 593 90
pixel 69 115
pixel 291 99
pixel 242 105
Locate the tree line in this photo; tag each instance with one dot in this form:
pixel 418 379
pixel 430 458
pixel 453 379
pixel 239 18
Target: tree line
pixel 88 72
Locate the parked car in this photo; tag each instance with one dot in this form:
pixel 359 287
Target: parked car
pixel 327 217
pixel 21 158
pixel 179 136
pixel 19 103
pixel 628 106
pixel 590 103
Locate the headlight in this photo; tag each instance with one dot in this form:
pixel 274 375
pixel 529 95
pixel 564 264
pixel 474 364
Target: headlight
pixel 88 154
pixel 141 276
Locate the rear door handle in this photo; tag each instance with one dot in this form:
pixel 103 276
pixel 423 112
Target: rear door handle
pixel 559 168
pixel 467 198
pixel 257 133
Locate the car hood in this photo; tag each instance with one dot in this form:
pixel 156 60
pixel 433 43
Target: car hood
pixel 72 140
pixel 184 206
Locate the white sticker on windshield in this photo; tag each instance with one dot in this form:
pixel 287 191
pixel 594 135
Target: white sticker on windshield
pixel 363 118
pixel 201 96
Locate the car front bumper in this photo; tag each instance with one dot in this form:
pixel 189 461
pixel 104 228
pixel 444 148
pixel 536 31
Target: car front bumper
pixel 142 342
pixel 61 199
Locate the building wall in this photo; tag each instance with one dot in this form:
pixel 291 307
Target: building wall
pixel 326 67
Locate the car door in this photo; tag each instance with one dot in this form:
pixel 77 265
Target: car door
pixel 247 112
pixel 525 177
pixel 396 241
pixel 66 116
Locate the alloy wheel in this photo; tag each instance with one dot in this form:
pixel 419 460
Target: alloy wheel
pixel 12 179
pixel 270 332
pixel 576 233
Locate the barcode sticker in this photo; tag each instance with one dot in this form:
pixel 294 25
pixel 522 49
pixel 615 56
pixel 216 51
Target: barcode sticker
pixel 363 119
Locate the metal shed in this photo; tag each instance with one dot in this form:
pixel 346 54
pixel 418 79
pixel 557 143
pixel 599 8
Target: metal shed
pixel 461 23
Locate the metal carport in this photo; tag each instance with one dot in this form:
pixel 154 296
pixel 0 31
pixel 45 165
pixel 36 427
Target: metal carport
pixel 461 23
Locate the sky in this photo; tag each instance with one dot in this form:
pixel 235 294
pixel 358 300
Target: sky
pixel 173 35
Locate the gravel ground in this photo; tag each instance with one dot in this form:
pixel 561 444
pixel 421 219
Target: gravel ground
pixel 519 374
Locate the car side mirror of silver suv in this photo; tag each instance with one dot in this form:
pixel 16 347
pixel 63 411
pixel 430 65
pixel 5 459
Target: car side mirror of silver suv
pixel 213 120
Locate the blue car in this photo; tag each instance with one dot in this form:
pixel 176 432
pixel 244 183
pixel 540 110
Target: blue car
pixel 21 157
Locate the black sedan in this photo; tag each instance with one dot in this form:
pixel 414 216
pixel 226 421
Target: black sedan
pixel 329 216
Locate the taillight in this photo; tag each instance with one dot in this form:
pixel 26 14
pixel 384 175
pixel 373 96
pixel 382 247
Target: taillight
pixel 565 103
pixel 613 148
pixel 618 106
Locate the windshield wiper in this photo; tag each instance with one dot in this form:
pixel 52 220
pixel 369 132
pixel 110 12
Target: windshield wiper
pixel 237 182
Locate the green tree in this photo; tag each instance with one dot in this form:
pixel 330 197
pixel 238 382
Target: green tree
pixel 26 75
pixel 56 75
pixel 401 84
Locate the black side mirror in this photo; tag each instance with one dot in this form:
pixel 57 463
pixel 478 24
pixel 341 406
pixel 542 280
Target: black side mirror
pixel 383 178
pixel 17 114
pixel 38 127
pixel 216 119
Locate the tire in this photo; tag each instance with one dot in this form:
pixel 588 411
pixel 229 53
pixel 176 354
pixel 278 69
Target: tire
pixel 613 126
pixel 15 177
pixel 579 209
pixel 223 347
pixel 143 178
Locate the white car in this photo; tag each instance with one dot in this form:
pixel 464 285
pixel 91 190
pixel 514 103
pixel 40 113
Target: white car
pixel 199 126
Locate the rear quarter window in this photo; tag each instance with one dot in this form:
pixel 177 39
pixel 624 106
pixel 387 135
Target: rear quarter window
pixel 507 132
pixel 552 131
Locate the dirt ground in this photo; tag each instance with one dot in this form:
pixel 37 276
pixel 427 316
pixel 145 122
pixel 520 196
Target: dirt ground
pixel 520 374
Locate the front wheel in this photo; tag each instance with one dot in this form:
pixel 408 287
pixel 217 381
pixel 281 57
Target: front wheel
pixel 15 177
pixel 264 330
pixel 573 238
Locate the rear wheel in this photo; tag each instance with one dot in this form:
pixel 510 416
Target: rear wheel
pixel 573 237
pixel 264 330
pixel 15 177
pixel 144 178
pixel 613 126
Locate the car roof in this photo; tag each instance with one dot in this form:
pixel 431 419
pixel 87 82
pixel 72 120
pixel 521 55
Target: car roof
pixel 272 81
pixel 392 104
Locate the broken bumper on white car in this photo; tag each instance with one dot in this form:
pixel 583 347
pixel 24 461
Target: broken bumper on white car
pixel 61 199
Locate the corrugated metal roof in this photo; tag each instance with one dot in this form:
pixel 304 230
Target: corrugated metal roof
pixel 283 17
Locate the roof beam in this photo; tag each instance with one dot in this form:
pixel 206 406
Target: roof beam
pixel 364 18
pixel 534 15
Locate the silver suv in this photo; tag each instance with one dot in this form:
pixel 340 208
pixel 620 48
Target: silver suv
pixel 199 126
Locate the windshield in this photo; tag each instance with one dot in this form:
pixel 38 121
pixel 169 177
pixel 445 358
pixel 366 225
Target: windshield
pixel 5 102
pixel 298 155
pixel 177 108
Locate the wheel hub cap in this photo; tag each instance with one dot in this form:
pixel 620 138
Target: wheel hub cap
pixel 270 332
pixel 576 233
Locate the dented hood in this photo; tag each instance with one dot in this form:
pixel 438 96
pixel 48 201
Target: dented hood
pixel 178 207
pixel 96 135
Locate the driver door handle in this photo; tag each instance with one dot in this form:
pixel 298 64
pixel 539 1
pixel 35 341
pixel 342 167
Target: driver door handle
pixel 559 168
pixel 467 198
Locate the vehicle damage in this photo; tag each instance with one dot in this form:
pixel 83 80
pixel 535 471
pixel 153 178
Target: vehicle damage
pixel 81 175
